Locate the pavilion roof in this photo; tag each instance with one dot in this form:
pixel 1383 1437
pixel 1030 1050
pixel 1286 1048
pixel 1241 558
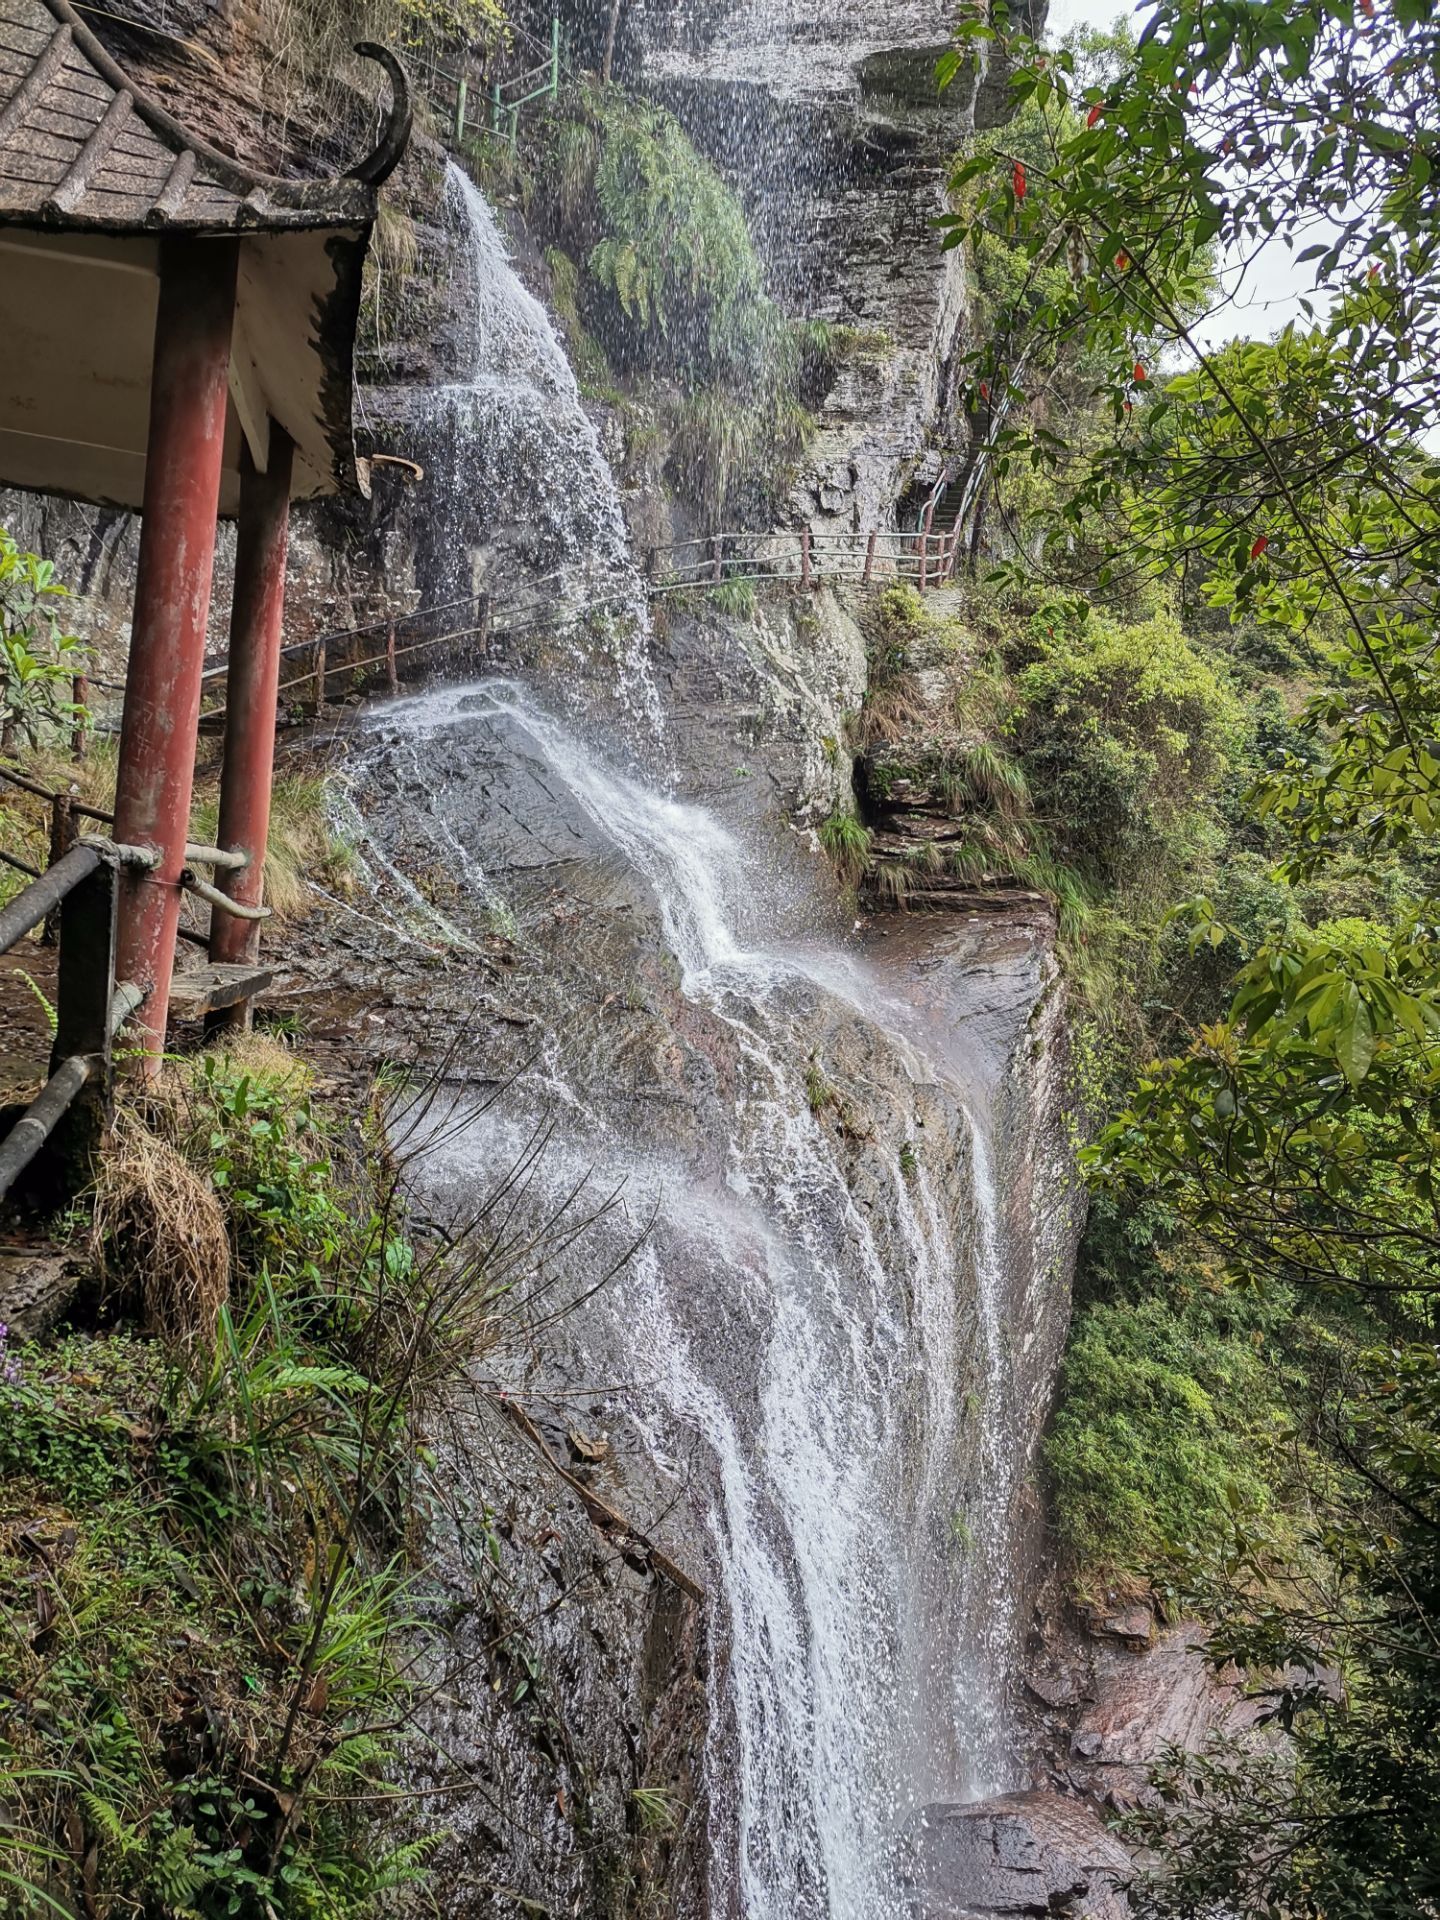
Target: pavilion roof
pixel 82 145
pixel 95 175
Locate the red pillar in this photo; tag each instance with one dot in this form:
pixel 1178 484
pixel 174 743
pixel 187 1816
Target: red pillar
pixel 255 633
pixel 172 601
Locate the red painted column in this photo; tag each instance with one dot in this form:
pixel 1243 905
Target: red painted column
pixel 172 602
pixel 256 622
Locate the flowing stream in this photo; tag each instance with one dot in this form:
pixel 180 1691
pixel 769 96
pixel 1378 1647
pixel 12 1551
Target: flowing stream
pixel 807 1345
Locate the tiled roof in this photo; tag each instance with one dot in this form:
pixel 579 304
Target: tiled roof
pixel 81 146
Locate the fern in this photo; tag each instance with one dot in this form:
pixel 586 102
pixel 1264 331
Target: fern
pixel 109 1824
pixel 39 992
pixel 175 1873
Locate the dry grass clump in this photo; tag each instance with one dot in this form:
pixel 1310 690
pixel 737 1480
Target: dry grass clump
pixel 267 1059
pixel 158 1234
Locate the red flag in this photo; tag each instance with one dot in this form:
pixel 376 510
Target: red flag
pixel 1020 181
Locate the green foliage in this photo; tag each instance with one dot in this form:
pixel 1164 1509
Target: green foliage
pixel 655 1809
pixel 1125 732
pixel 847 841
pixel 1174 1416
pixel 722 443
pixel 214 1699
pixel 735 598
pixel 1292 1134
pixel 671 287
pixel 674 247
pixel 592 368
pixel 38 659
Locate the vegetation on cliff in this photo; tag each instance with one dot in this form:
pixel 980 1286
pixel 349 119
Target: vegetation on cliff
pixel 1262 1361
pixel 202 1570
pixel 656 274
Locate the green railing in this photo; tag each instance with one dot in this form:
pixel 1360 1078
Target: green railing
pixel 501 102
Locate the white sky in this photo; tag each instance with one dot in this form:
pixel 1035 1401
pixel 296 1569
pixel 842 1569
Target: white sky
pixel 1265 295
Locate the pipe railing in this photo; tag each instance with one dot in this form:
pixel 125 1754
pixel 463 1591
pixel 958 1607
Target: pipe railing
pixel 450 92
pixel 90 1006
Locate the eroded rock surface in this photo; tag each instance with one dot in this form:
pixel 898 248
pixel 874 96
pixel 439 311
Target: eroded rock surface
pixel 1019 1854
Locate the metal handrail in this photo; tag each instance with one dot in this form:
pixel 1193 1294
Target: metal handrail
pixel 90 1007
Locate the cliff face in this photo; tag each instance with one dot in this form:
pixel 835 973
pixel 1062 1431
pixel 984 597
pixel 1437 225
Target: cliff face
pixel 831 126
pixel 766 1536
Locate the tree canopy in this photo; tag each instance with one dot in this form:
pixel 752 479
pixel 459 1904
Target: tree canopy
pixel 1291 484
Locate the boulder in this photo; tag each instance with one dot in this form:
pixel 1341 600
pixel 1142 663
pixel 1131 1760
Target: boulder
pixel 1020 1853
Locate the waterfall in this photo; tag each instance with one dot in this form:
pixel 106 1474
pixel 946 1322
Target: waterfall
pixel 513 431
pixel 811 1336
pixel 804 1348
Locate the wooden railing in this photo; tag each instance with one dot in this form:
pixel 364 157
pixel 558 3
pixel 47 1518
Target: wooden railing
pixel 928 559
pixel 368 656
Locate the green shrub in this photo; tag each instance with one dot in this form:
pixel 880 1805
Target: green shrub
pixel 735 598
pixel 847 841
pixel 673 246
pixel 672 287
pixel 1126 733
pixel 1170 1419
pixel 38 659
pixel 209 1715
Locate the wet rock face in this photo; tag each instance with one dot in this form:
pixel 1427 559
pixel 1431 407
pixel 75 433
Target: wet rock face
pixel 1110 1689
pixel 564 1701
pixel 1019 1854
pixel 829 124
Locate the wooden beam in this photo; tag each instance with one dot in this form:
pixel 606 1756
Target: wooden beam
pixel 210 989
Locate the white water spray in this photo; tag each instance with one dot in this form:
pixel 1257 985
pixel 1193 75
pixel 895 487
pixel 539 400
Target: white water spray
pixel 519 434
pixel 801 1341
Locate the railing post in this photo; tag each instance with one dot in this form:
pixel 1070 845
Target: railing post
pixel 554 56
pixel 495 109
pixel 717 567
pixel 460 91
pixel 805 557
pixel 247 769
pixel 79 697
pixel 392 678
pixel 869 558
pixel 62 838
pixel 84 989
pixel 319 675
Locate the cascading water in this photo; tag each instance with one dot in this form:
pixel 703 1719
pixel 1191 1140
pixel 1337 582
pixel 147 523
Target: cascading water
pixel 521 455
pixel 815 1391
pixel 812 1332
